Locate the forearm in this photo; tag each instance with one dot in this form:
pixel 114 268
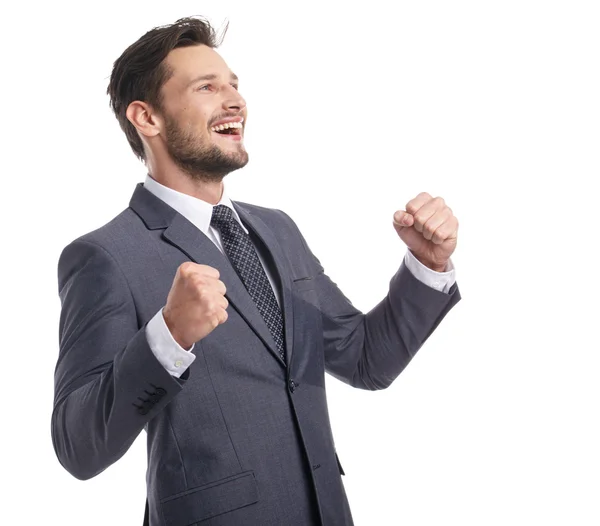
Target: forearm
pixel 107 381
pixel 399 325
pixel 369 351
pixel 94 424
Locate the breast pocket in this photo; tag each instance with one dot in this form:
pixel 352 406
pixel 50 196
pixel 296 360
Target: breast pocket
pixel 306 300
pixel 306 283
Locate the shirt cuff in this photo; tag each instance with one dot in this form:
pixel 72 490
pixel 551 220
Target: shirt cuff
pixel 174 358
pixel 441 281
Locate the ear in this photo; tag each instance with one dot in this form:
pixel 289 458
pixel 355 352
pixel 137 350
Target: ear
pixel 145 120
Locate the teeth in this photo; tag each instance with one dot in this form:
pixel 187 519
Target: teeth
pixel 227 125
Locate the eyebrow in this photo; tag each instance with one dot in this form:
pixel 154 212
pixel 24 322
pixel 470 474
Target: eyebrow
pixel 211 76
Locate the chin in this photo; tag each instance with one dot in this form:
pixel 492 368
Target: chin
pixel 239 155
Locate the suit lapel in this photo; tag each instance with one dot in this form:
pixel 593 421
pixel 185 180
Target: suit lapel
pixel 181 233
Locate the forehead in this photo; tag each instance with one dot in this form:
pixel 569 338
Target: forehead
pixel 190 62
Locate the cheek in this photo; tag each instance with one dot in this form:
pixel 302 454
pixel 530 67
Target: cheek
pixel 194 116
pixel 197 125
pixel 194 119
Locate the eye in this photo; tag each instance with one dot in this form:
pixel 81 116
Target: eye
pixel 235 86
pixel 201 88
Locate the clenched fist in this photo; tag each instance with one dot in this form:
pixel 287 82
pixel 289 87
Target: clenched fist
pixel 196 303
pixel 429 229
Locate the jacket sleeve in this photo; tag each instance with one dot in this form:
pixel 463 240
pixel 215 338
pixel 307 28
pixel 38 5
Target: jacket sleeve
pixel 369 351
pixel 107 383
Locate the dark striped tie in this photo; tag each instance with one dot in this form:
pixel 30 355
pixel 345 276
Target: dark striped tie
pixel 244 259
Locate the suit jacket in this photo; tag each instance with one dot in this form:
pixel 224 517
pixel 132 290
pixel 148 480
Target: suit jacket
pixel 240 438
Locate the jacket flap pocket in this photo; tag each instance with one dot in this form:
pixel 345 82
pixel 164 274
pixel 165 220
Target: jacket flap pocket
pixel 307 283
pixel 204 502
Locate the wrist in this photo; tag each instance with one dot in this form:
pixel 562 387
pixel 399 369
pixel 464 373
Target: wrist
pixel 175 334
pixel 436 267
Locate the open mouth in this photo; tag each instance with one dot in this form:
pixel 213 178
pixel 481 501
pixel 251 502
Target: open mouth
pixel 232 129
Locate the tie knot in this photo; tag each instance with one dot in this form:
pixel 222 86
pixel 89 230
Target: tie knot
pixel 222 216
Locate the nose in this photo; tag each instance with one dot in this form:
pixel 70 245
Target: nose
pixel 233 100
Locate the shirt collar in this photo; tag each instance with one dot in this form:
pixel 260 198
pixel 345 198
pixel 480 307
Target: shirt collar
pixel 196 211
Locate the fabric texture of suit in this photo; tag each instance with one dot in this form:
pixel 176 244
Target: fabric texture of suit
pixel 239 438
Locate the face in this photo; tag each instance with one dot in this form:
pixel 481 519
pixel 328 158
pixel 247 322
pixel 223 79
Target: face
pixel 204 114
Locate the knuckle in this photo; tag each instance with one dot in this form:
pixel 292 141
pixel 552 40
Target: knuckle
pixel 439 234
pixel 197 281
pixel 416 203
pixel 208 271
pixel 211 306
pixel 186 269
pixel 203 294
pixel 439 200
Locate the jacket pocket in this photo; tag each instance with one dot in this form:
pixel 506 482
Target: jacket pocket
pixel 300 284
pixel 210 500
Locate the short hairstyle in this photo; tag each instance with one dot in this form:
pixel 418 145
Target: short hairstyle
pixel 140 72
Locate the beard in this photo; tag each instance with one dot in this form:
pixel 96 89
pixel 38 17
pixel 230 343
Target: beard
pixel 202 161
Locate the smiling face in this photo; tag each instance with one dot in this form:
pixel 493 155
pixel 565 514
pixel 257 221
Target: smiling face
pixel 204 114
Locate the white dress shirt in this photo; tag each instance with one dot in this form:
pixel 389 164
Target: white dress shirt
pixel 174 358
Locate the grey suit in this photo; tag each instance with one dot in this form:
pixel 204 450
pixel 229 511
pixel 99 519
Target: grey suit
pixel 239 439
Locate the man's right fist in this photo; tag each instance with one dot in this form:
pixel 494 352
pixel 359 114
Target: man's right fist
pixel 196 303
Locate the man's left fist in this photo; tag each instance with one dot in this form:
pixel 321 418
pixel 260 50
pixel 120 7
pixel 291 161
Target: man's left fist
pixel 429 230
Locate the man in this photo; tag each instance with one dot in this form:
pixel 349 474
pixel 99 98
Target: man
pixel 209 322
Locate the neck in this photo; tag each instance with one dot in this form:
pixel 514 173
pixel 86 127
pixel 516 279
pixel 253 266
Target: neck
pixel 205 189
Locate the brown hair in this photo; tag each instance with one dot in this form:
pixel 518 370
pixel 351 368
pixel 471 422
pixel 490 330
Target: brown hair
pixel 139 73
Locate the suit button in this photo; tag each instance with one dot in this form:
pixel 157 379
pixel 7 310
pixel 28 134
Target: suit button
pixel 143 410
pixel 293 385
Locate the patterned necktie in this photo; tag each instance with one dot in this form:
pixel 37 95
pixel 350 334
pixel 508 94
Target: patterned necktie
pixel 244 259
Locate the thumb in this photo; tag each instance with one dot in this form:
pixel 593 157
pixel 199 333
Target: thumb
pixel 403 219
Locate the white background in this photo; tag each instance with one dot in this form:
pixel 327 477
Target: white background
pixel 353 110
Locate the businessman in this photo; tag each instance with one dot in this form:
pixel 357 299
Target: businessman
pixel 209 322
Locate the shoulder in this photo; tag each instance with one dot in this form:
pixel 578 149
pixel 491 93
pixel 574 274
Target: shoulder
pixel 119 237
pixel 125 225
